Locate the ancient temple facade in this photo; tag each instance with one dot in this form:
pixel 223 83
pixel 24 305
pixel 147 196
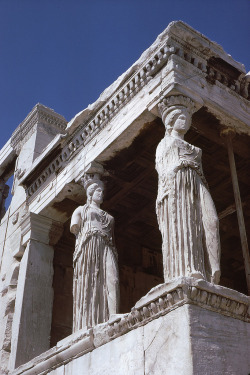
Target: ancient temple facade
pixel 174 324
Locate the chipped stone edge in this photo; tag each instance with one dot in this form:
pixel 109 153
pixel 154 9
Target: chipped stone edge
pixel 72 347
pixel 167 297
pixel 160 301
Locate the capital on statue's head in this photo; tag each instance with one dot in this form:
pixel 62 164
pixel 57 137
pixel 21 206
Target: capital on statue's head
pixel 176 113
pixel 175 102
pixel 90 179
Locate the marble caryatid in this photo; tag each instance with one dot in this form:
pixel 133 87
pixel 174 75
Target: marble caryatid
pixel 96 282
pixel 185 210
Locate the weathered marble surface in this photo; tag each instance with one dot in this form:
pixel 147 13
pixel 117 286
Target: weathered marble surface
pixel 34 294
pixel 165 66
pixel 178 62
pixel 28 315
pixel 219 345
pixel 185 210
pixel 96 281
pixel 187 327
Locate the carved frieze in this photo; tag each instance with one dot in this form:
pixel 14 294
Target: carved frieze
pixel 170 45
pixel 163 299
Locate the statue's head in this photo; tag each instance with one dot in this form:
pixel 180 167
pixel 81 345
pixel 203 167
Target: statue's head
pixel 94 188
pixel 176 112
pixel 95 193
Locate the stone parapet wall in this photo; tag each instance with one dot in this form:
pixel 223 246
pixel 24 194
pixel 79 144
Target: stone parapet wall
pixel 186 327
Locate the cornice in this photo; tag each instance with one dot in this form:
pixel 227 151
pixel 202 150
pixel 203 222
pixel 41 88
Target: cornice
pixel 39 114
pixel 165 298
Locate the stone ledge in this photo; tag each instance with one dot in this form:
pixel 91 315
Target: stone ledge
pixel 160 301
pixel 71 347
pixel 166 297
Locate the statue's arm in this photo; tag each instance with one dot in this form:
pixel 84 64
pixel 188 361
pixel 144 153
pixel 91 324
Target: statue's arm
pixel 75 224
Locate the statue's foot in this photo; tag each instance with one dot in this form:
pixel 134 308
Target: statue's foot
pixel 197 275
pixel 215 279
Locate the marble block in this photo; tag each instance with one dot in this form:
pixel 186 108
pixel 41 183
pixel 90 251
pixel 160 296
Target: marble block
pixel 186 327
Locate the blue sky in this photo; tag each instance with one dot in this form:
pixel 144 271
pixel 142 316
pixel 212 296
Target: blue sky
pixel 64 53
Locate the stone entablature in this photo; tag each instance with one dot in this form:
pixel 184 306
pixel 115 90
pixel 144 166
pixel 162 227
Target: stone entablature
pixel 39 115
pixel 160 301
pixel 178 43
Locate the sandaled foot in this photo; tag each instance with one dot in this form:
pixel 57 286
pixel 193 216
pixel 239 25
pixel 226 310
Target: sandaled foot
pixel 215 279
pixel 197 275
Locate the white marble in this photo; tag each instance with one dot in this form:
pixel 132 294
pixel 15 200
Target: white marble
pixel 176 64
pixel 119 357
pixel 189 327
pixel 186 213
pixel 33 307
pixel 33 297
pixel 95 260
pixel 167 344
pixel 58 371
pixel 7 154
pixel 3 228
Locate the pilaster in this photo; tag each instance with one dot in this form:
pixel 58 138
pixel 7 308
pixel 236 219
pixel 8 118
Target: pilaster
pixel 33 307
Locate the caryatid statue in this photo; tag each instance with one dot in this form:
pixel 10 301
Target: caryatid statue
pixel 185 210
pixel 95 260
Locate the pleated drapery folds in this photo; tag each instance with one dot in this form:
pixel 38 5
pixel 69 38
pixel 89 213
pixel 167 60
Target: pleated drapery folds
pixel 96 282
pixel 186 213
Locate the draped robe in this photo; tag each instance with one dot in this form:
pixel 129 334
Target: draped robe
pixel 186 213
pixel 95 285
